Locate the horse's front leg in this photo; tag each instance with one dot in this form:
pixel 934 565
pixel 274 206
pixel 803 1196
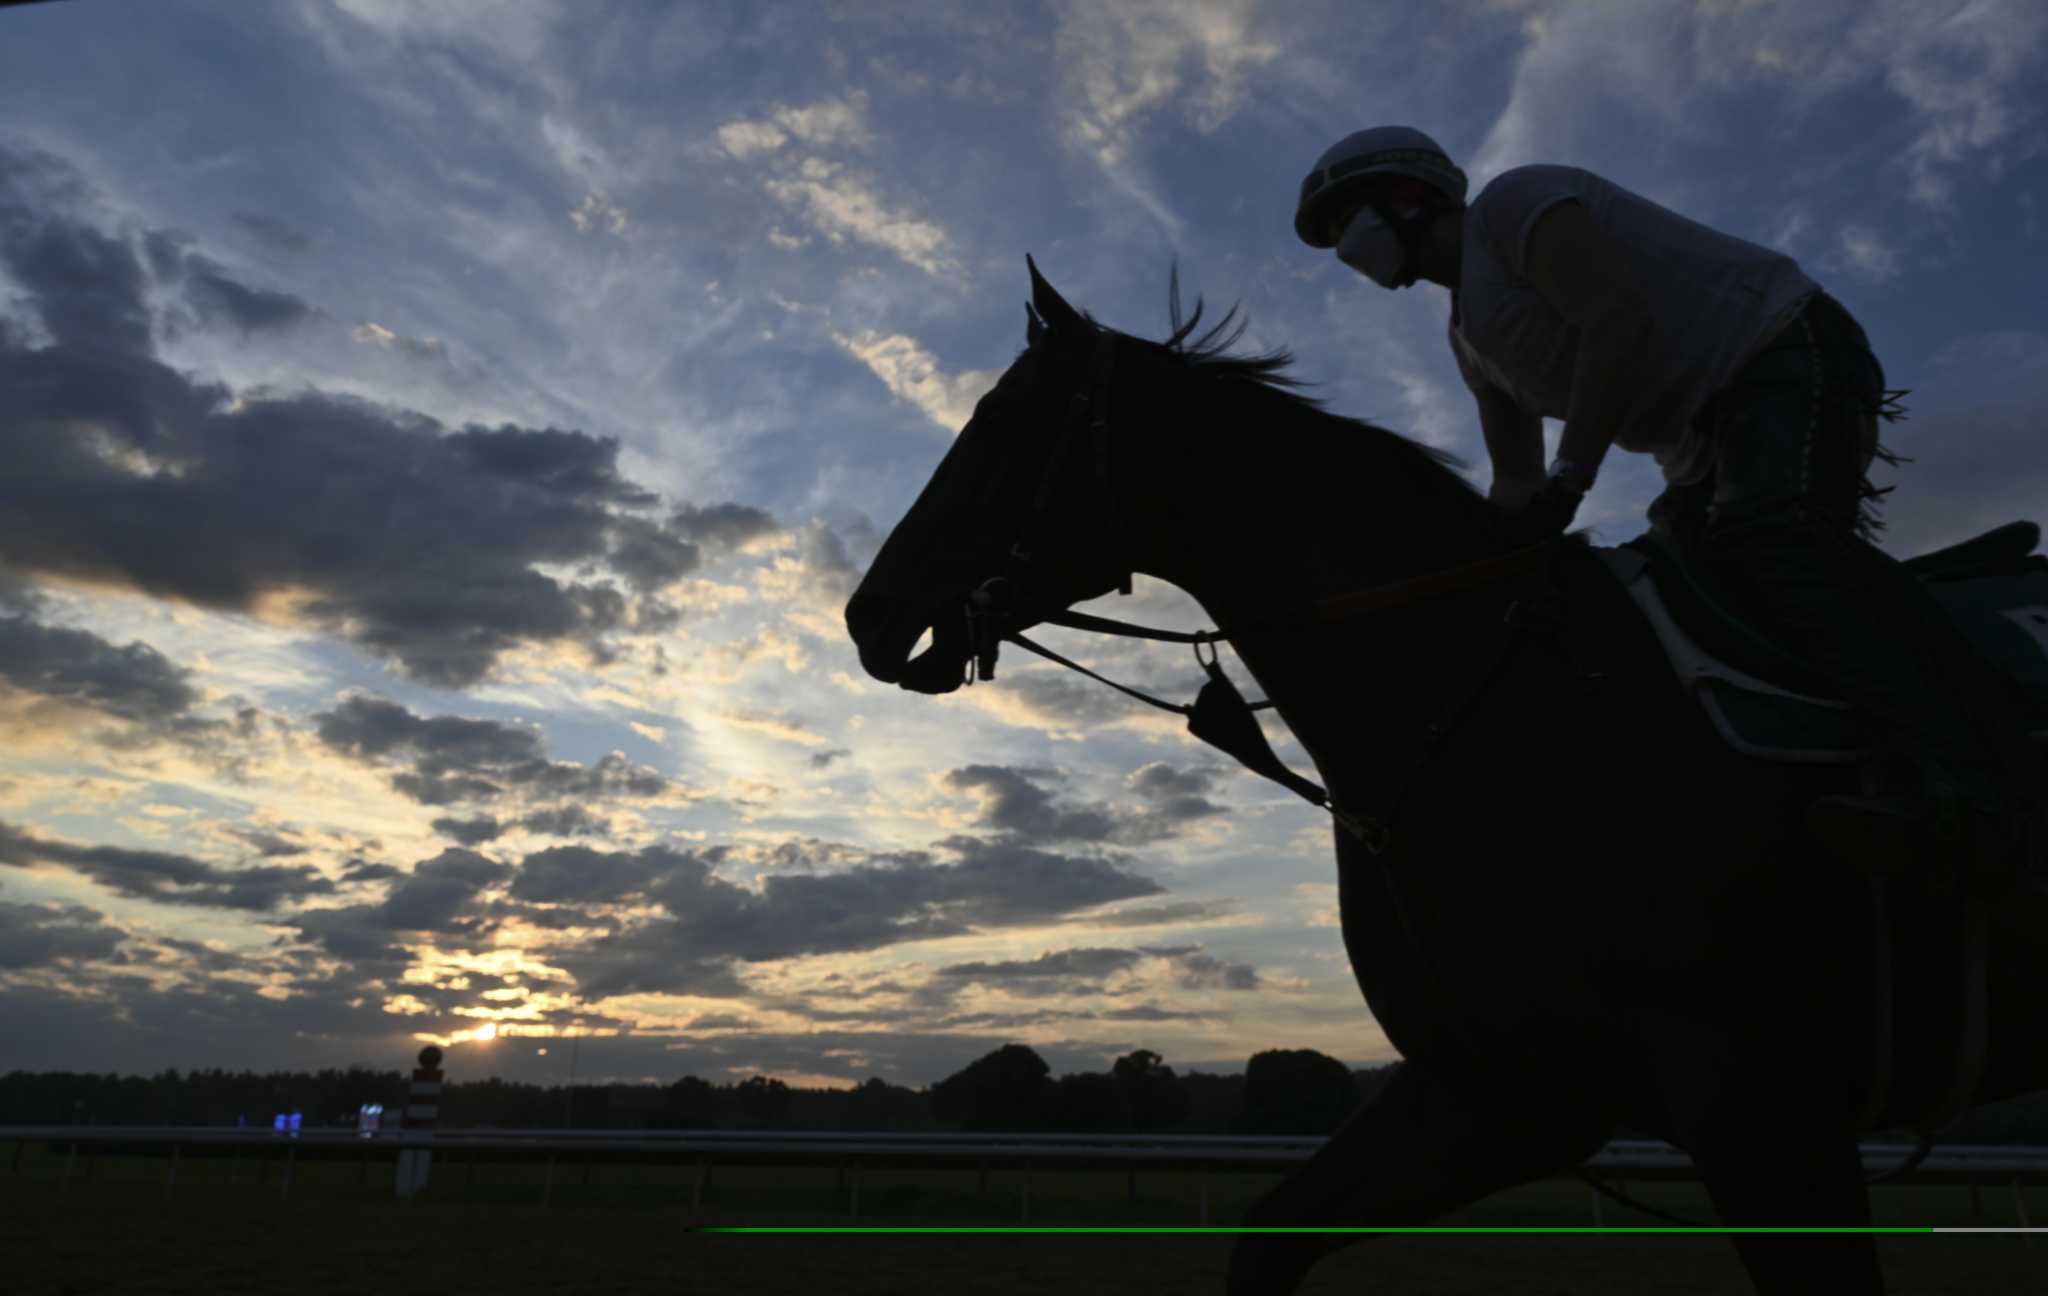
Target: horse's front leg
pixel 1414 1152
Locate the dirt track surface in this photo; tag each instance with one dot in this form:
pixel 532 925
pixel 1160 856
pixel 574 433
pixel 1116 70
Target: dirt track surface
pixel 77 1247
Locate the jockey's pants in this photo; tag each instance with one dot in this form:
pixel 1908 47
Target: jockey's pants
pixel 1782 517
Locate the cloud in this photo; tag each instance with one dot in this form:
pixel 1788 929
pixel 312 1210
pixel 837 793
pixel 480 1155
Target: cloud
pixel 450 759
pixel 782 727
pixel 35 934
pixel 842 204
pixel 723 526
pixel 373 334
pixel 822 124
pixel 1865 252
pixel 1966 75
pixel 913 374
pixel 594 211
pixel 1121 63
pixel 165 877
pixel 1069 971
pixel 649 557
pixel 708 924
pixel 416 544
pixel 438 890
pixel 744 139
pixel 279 236
pixel 136 683
pixel 1020 805
pixel 216 297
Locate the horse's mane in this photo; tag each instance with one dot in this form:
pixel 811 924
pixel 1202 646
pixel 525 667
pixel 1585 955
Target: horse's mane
pixel 1264 377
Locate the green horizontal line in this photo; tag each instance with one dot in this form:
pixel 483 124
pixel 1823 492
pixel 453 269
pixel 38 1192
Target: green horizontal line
pixel 915 1229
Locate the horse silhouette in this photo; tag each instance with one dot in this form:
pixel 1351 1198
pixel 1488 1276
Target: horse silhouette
pixel 1593 912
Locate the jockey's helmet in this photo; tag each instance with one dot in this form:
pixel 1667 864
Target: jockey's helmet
pixel 1381 150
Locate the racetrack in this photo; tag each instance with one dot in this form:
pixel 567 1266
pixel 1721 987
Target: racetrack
pixel 125 1238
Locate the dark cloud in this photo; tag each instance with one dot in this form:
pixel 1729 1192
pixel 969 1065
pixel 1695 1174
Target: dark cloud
pixel 1018 802
pixel 819 760
pixel 1083 970
pixel 1148 1013
pixel 1014 801
pixel 18 594
pixel 439 890
pixel 274 233
pixel 136 683
pixel 1205 971
pixel 167 878
pixel 1186 911
pixel 1162 783
pixel 583 875
pixel 1055 972
pixel 268 845
pixel 218 298
pixel 470 832
pixel 35 934
pixel 359 870
pixel 417 544
pixel 722 526
pixel 438 896
pixel 710 923
pixel 453 760
pixel 565 821
pixel 649 557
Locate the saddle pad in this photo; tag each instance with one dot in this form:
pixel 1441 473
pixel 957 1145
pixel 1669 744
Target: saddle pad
pixel 1752 715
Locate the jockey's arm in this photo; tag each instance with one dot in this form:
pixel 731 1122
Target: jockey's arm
pixel 1593 285
pixel 1514 442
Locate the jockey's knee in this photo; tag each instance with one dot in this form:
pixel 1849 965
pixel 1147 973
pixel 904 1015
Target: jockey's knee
pixel 1734 531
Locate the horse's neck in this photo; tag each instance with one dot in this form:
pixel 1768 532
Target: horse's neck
pixel 1291 530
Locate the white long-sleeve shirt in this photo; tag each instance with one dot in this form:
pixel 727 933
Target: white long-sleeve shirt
pixel 1713 299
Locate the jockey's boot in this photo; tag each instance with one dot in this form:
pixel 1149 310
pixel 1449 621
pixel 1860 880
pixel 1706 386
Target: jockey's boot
pixel 1987 854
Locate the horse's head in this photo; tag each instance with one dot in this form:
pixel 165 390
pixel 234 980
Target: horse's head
pixel 1014 498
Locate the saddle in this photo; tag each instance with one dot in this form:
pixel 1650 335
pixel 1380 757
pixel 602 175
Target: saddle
pixel 1766 702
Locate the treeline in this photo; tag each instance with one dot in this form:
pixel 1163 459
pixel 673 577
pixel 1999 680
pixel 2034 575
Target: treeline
pixel 1281 1091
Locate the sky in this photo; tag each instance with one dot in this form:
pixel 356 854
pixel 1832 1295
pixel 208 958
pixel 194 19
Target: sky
pixel 440 439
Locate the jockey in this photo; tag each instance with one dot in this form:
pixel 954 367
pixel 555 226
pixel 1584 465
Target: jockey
pixel 1757 393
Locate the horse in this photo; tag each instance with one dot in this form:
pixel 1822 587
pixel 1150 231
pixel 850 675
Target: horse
pixel 1586 911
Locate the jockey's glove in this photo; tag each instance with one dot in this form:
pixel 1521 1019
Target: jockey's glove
pixel 1546 515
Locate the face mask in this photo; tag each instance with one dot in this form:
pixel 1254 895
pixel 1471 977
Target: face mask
pixel 1376 249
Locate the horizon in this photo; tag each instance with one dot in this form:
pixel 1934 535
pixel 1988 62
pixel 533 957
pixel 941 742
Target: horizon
pixel 444 443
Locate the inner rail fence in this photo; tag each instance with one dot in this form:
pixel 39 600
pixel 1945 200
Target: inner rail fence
pixel 1203 1155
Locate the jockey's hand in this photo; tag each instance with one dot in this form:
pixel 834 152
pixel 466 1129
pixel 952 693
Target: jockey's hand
pixel 1549 511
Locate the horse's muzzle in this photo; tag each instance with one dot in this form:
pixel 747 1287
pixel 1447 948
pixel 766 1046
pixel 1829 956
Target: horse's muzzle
pixel 886 629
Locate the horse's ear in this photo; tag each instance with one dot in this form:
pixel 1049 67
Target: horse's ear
pixel 1052 308
pixel 1034 328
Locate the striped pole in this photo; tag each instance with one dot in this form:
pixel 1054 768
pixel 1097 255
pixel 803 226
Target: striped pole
pixel 422 1106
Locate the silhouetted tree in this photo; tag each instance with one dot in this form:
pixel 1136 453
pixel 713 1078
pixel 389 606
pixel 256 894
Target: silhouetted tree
pixel 764 1100
pixel 1296 1091
pixel 1153 1099
pixel 689 1103
pixel 1004 1090
pixel 1089 1103
pixel 876 1104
